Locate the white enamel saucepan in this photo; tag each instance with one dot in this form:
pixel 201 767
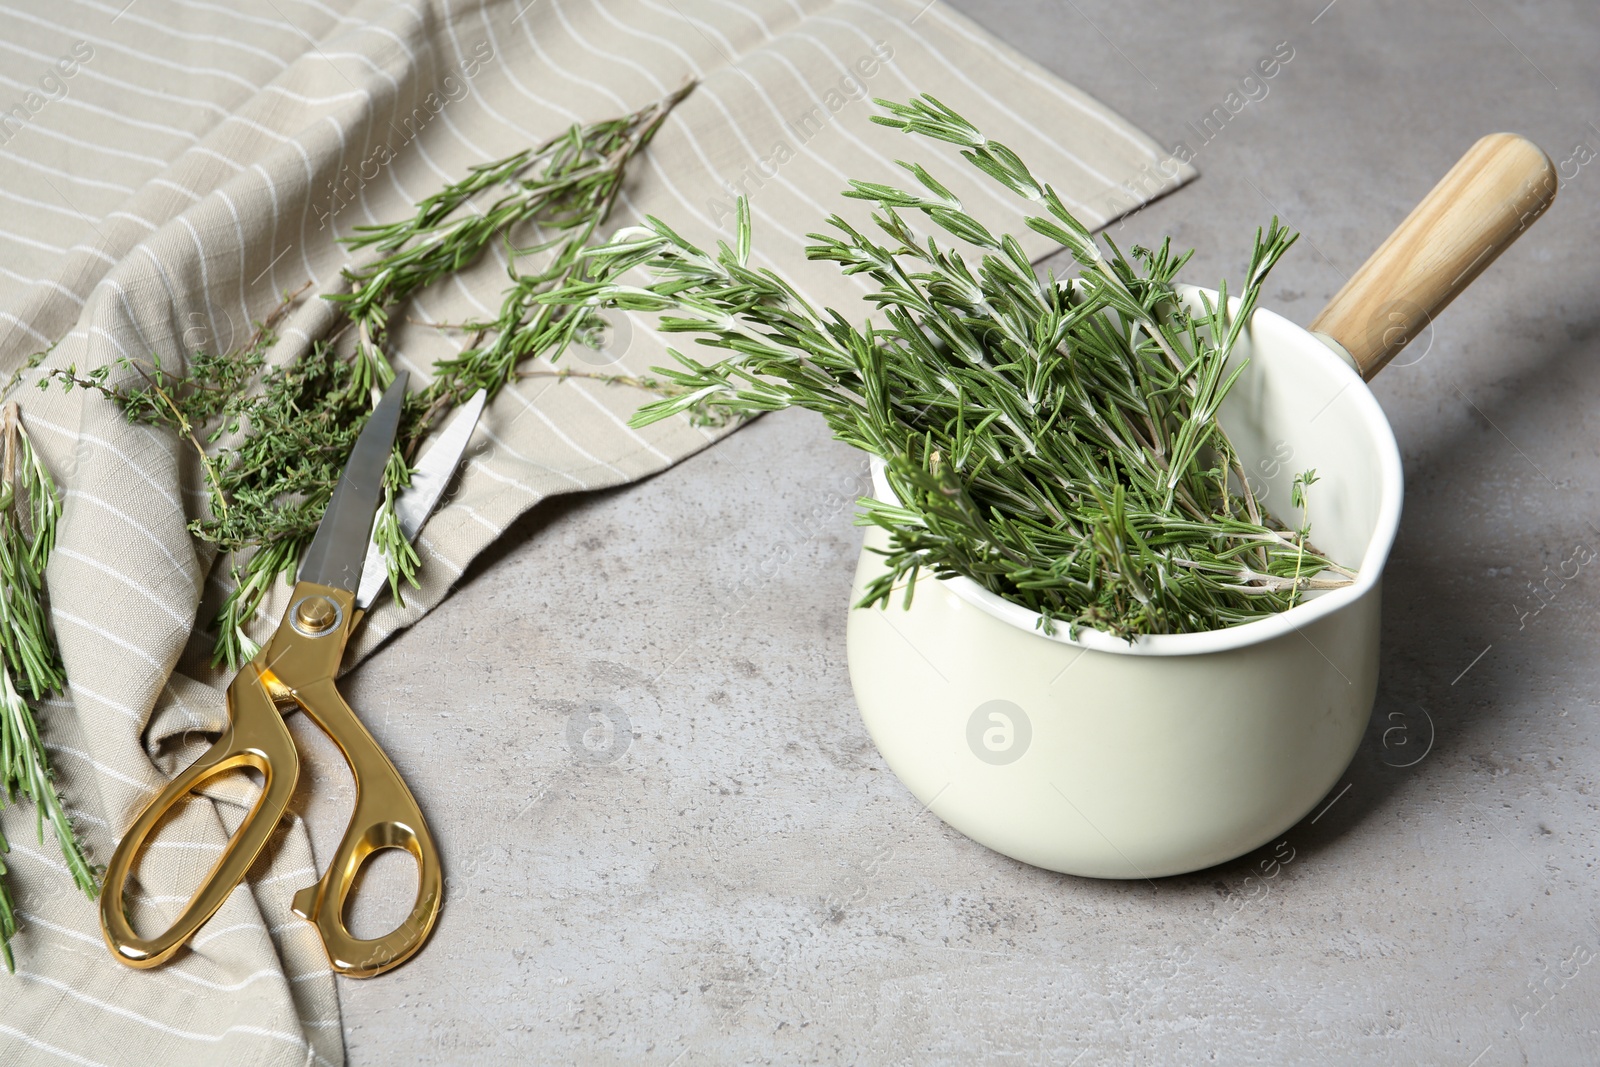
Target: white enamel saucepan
pixel 1112 759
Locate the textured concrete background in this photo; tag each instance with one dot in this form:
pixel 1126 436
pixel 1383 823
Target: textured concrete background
pixel 669 839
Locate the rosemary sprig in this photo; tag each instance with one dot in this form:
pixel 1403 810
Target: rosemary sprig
pixel 30 664
pixel 563 190
pixel 1056 441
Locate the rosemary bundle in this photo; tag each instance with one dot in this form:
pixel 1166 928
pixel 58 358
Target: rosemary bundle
pixel 1054 440
pixel 30 665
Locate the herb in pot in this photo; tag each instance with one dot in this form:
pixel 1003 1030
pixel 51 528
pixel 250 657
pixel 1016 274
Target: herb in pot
pixel 1054 440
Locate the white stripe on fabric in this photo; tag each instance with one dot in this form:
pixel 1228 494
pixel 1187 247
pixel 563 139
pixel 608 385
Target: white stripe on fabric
pixel 79 494
pixel 1121 129
pixel 100 442
pixel 175 187
pixel 49 1049
pixel 148 594
pixel 80 179
pixel 29 330
pixel 49 283
pixel 101 632
pixel 78 688
pixel 109 772
pixel 69 31
pixel 204 38
pixel 298 1040
pixel 98 75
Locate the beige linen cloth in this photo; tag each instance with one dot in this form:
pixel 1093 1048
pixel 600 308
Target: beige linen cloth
pixel 168 168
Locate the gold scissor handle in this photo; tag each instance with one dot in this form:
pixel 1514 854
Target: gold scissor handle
pixel 385 816
pixel 297 665
pixel 255 737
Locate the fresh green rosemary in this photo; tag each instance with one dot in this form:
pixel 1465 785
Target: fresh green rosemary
pixel 30 665
pixel 1055 441
pixel 563 190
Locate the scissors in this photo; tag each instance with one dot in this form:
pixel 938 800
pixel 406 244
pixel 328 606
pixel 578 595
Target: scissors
pixel 340 575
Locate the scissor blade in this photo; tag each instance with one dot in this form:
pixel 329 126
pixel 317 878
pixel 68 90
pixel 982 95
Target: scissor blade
pixel 428 483
pixel 335 555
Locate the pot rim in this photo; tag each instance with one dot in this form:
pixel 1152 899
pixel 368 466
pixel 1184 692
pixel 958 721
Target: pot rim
pixel 1371 417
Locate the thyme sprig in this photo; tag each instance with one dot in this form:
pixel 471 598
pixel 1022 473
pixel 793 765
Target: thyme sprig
pixel 30 663
pixel 1054 440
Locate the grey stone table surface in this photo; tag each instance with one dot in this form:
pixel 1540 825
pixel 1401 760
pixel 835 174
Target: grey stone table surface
pixel 670 840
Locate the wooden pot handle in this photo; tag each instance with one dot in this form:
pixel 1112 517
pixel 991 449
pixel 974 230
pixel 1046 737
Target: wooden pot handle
pixel 1491 195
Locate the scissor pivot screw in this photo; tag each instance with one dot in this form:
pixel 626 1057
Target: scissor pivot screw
pixel 315 615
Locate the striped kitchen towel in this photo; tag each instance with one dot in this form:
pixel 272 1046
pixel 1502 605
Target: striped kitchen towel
pixel 168 168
